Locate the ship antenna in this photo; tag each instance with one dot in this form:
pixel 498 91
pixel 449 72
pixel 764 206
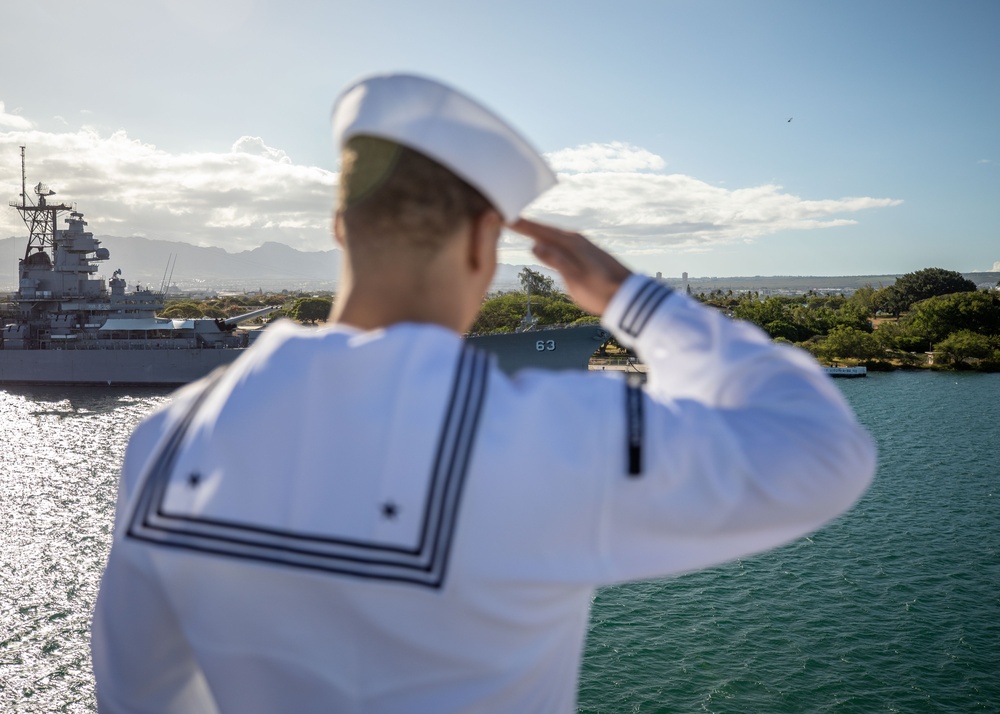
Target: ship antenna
pixel 165 284
pixel 170 277
pixel 165 269
pixel 24 182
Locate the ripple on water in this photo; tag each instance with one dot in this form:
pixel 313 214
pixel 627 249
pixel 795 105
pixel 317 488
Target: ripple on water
pixel 59 457
pixel 894 607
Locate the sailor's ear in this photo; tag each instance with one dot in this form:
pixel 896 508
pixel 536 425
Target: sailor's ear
pixel 485 234
pixel 338 228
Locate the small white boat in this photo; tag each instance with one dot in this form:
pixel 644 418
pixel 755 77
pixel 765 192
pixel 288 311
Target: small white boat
pixel 847 371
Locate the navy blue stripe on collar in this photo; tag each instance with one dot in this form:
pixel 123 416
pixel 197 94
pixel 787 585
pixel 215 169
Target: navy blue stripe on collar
pixel 424 563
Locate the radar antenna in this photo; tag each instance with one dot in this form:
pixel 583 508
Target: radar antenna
pixel 41 219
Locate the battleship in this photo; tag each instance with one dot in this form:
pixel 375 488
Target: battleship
pixel 65 325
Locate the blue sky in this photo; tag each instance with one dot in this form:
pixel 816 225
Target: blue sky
pixel 667 121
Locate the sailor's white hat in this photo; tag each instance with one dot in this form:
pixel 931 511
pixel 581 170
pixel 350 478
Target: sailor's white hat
pixel 449 127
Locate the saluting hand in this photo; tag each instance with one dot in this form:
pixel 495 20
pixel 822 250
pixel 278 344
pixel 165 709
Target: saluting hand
pixel 592 276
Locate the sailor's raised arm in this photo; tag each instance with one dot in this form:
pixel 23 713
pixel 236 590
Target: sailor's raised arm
pixel 746 444
pixel 737 444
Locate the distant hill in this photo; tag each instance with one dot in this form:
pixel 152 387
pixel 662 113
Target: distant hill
pixel 798 284
pixel 148 262
pixel 272 266
pixel 276 266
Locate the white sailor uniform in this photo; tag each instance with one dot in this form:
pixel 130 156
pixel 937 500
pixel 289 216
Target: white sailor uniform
pixel 383 521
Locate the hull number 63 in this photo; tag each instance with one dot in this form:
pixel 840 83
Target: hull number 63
pixel 545 345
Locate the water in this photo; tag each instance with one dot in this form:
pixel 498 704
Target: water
pixel 59 454
pixel 893 608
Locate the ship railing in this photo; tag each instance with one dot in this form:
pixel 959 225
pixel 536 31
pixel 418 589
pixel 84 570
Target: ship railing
pixel 123 346
pixel 126 345
pixel 534 328
pixel 627 363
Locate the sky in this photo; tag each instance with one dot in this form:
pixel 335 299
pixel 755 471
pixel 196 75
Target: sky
pixel 714 137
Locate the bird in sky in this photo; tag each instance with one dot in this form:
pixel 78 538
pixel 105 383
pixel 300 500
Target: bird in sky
pixel 790 118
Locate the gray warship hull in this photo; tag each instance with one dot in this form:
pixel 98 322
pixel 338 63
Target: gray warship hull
pixel 558 349
pixel 111 367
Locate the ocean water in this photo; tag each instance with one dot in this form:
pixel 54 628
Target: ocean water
pixel 894 607
pixel 60 450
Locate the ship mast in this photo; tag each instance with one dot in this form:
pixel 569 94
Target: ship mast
pixel 40 219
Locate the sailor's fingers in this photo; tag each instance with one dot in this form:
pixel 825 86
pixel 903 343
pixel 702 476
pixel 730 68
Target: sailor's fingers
pixel 559 249
pixel 592 276
pixel 576 249
pixel 558 258
pixel 542 232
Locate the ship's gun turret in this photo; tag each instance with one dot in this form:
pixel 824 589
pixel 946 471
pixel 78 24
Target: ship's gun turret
pixel 237 319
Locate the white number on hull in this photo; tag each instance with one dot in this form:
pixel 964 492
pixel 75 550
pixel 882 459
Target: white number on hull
pixel 545 345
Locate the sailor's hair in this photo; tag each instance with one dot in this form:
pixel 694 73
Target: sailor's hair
pixel 392 194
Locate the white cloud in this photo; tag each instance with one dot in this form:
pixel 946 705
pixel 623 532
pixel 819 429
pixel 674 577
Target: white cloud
pixel 996 267
pixel 253 193
pixel 255 146
pixel 615 156
pixel 235 200
pixel 632 208
pixel 14 121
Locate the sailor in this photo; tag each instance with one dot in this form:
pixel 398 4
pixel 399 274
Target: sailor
pixel 372 517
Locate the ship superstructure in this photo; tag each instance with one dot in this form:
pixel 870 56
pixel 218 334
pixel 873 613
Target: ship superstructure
pixel 61 304
pixel 68 325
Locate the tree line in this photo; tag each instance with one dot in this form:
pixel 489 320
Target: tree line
pixel 304 308
pixel 931 310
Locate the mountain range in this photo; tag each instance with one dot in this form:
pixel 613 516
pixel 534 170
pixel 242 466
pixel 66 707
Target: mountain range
pixel 186 267
pixel 276 266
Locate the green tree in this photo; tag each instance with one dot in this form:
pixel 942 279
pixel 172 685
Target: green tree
pixel 937 317
pixel 277 315
pixel 184 309
pixel 931 282
pixel 897 336
pixel 506 311
pixel 535 283
pixel 963 345
pixel 760 313
pixel 851 343
pixel 556 310
pixel 852 314
pixel 311 309
pixel 500 313
pixel 890 300
pixel 783 330
pixel 210 308
pixel 864 298
pixel 773 315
